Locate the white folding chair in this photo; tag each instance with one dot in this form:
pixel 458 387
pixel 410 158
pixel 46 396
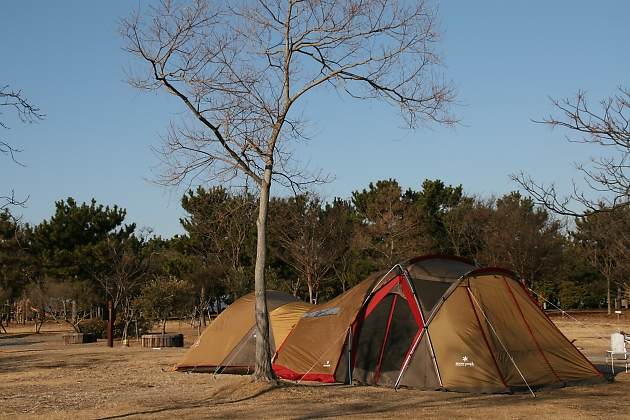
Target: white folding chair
pixel 617 349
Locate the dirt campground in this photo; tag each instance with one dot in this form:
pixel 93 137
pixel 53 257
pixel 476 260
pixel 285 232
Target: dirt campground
pixel 40 377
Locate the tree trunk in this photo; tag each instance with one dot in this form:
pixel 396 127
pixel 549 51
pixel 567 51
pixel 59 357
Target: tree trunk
pixel 309 282
pixel 263 371
pixel 608 293
pixel 38 323
pixel 74 312
pixel 124 332
pixel 202 310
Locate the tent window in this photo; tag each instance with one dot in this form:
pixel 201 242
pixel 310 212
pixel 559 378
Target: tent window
pixel 320 313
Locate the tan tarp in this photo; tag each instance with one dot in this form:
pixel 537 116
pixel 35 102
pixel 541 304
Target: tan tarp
pixel 229 339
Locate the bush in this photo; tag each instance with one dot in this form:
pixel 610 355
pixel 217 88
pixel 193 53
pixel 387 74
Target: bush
pixel 96 326
pixel 144 326
pixel 99 327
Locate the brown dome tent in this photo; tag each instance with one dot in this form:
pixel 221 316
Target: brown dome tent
pixel 228 344
pixel 434 322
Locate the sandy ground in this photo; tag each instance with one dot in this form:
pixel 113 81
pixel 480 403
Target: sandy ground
pixel 40 377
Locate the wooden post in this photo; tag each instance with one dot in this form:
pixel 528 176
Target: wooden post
pixel 110 324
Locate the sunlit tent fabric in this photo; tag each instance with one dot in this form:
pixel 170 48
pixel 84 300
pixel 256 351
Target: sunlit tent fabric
pixel 434 322
pixel 228 344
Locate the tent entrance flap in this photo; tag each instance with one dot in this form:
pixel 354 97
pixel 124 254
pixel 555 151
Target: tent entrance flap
pixel 384 337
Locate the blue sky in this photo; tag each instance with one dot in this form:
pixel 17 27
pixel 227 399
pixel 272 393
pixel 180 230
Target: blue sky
pixel 506 57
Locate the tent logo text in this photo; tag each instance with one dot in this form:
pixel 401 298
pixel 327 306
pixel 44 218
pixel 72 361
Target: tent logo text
pixel 465 362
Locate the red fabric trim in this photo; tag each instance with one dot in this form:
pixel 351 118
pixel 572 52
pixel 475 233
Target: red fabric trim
pixel 389 323
pixel 411 299
pixel 285 373
pixel 214 366
pixel 364 313
pixel 415 309
pixel 491 270
pixel 530 330
pixel 472 305
pixel 414 345
pixel 439 257
pixel 376 299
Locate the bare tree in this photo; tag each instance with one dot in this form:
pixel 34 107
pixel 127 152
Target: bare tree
pixel 609 128
pixel 310 237
pixel 464 225
pixel 27 114
pixel 242 68
pixel 39 297
pixel 603 238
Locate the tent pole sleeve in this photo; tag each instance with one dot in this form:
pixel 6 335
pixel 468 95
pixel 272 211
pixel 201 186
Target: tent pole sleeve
pixel 437 369
pixel 471 297
pixel 424 330
pixel 405 365
pixel 531 333
pixel 485 339
pixel 369 296
pixel 389 325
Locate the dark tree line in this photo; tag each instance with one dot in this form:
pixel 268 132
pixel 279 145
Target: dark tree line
pixel 69 266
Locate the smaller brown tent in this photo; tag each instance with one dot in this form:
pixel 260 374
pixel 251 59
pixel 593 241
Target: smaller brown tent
pixel 228 344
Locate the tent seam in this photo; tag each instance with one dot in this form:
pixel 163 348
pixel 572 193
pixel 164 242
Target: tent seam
pixel 485 339
pixel 530 330
pixel 471 296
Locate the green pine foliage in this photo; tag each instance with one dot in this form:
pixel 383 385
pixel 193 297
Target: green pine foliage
pixel 68 267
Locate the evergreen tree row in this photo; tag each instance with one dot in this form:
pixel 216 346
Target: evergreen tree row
pixel 68 267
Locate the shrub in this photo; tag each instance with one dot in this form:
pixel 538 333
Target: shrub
pixel 97 326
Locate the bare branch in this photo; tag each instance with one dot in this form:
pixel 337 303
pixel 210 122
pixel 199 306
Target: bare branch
pixel 27 114
pixel 607 174
pixel 239 68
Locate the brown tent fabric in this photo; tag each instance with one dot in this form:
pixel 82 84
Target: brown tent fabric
pixel 228 344
pixel 490 336
pixel 317 348
pixel 464 360
pixel 284 318
pixel 314 346
pixel 434 322
pixel 534 338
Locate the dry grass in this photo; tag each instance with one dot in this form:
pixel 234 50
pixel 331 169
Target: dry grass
pixel 42 378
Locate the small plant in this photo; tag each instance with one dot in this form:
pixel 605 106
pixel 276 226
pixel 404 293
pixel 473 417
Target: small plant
pixel 95 326
pixel 99 327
